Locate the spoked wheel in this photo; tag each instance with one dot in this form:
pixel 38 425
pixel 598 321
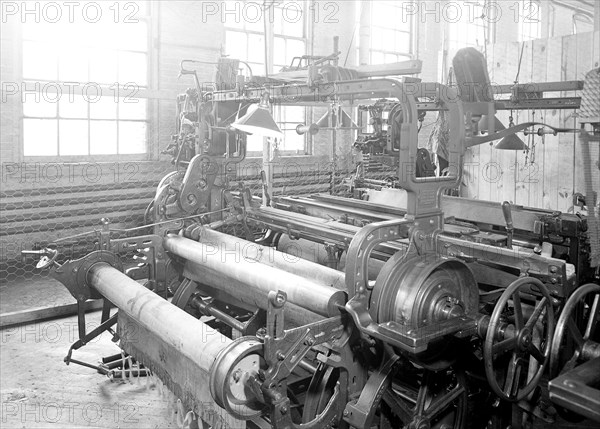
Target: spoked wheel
pixel 584 334
pixel 516 347
pixel 441 401
pixel 576 336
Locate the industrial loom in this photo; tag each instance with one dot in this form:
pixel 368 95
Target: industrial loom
pixel 393 305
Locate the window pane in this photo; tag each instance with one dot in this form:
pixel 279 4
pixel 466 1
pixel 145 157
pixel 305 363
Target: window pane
pixel 41 31
pixel 377 57
pixel 104 108
pixel 132 137
pixel 235 45
pixel 289 20
pixel 294 114
pixel 377 37
pixel 252 14
pixel 132 108
pixel 402 41
pixel 390 58
pixel 73 66
pixel 292 141
pixel 132 68
pixel 279 51
pixel 234 19
pixel 295 48
pixel 40 106
pixel 75 108
pixel 258 69
pixel 254 143
pixel 278 22
pixel 104 33
pixel 133 36
pixel 256 48
pixel 39 137
pixel 73 137
pixel 39 61
pixel 103 137
pixel 103 66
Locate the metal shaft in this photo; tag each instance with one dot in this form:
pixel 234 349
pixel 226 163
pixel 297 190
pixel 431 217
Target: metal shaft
pixel 297 259
pixel 259 278
pixel 224 288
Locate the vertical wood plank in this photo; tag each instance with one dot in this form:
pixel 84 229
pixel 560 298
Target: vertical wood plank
pixel 566 146
pixel 551 155
pixel 508 159
pixel 522 160
pixel 534 179
pixel 490 174
pixel 585 63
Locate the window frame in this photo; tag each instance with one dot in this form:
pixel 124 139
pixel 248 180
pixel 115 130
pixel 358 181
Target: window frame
pixel 146 93
pixel 529 25
pixel 478 23
pixel 271 35
pixel 411 34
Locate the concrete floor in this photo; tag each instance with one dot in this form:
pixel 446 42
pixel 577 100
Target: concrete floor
pixel 37 389
pixel 36 292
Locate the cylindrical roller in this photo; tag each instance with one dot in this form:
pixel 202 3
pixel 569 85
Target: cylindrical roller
pixel 260 278
pixel 296 258
pixel 186 334
pixel 316 252
pixel 223 284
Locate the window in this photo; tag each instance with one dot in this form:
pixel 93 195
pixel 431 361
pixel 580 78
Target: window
pixel 530 23
pixel 582 24
pixel 391 34
pixel 470 28
pixel 245 40
pixel 83 79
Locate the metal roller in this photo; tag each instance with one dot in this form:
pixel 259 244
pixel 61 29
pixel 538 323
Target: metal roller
pixel 258 278
pixel 296 258
pixel 179 348
pixel 223 285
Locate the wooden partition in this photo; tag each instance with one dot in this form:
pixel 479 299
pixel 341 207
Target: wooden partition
pixel 549 175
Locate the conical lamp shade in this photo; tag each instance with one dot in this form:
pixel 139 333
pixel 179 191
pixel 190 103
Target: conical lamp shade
pixel 345 121
pixel 484 122
pixel 511 142
pixel 258 120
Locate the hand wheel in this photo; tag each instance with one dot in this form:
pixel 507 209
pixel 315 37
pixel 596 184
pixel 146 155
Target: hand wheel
pixel 518 338
pixel 584 347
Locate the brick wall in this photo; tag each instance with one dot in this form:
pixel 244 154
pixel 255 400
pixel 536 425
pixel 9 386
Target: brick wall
pixel 178 32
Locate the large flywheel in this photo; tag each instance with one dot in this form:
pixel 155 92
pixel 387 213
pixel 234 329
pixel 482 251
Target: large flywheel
pixel 418 293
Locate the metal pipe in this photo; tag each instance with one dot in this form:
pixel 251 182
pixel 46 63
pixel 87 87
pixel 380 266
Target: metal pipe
pixel 186 334
pixel 295 260
pixel 573 7
pixel 209 310
pixel 259 279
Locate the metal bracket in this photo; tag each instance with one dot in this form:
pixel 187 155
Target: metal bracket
pixel 283 351
pixel 361 412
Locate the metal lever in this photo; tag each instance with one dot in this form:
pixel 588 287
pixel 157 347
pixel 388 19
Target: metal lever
pixel 47 257
pixel 506 211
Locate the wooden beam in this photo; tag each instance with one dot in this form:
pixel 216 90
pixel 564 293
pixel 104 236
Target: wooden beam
pixel 43 313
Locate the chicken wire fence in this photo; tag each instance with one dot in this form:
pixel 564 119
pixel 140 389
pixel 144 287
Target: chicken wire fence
pixel 41 203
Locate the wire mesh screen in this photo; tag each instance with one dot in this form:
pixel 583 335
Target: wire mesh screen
pixel 43 202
